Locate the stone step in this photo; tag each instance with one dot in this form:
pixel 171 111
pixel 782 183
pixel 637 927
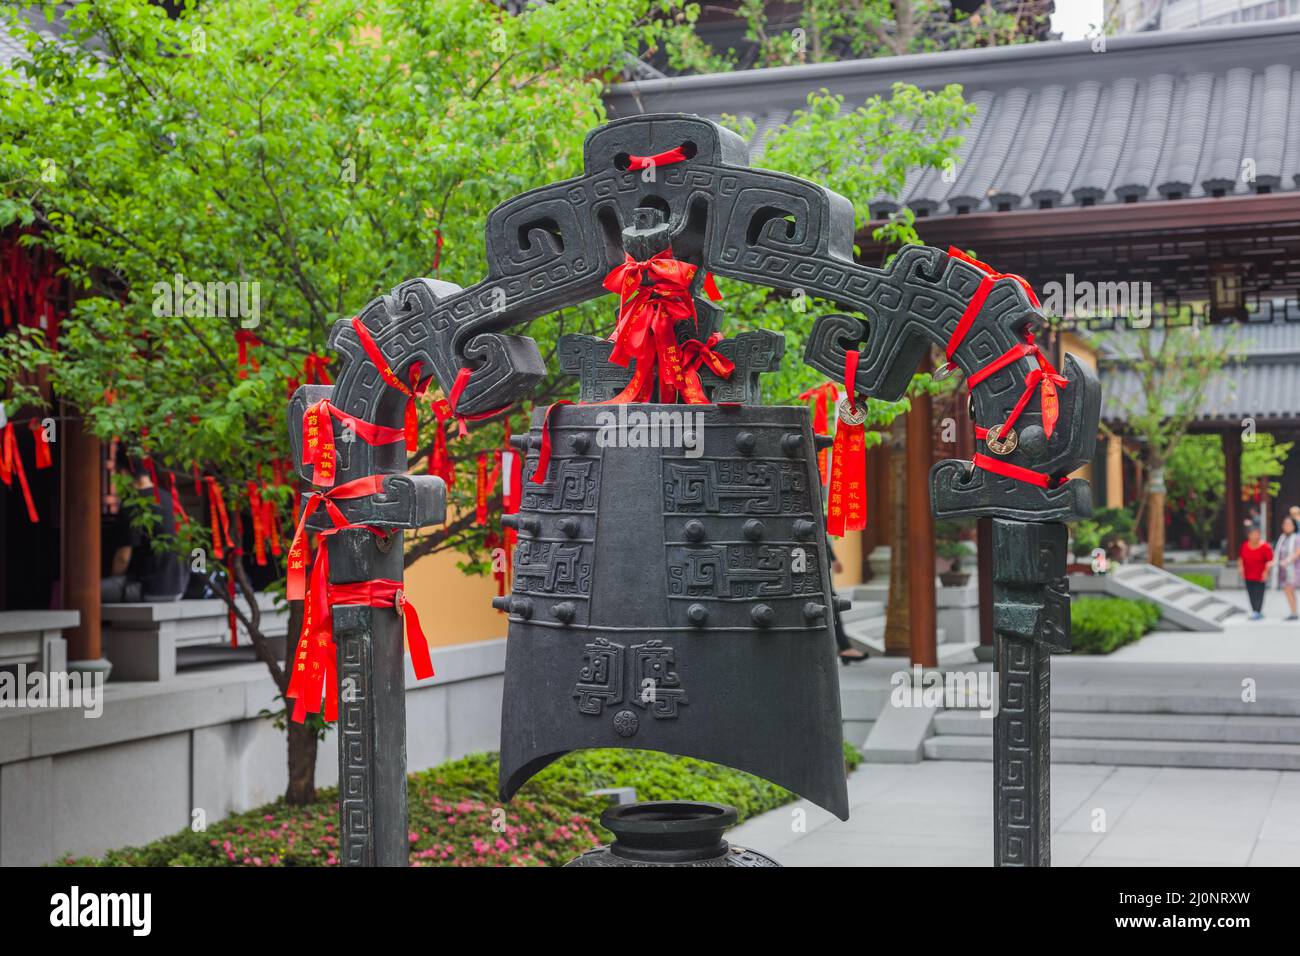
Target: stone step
pixel 1216 728
pixel 1182 604
pixel 862 610
pixel 1177 700
pixel 1143 753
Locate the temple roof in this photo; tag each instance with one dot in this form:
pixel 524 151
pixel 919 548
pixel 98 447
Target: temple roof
pixel 1156 117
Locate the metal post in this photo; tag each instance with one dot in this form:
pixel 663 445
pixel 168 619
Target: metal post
pixel 372 706
pixel 1031 618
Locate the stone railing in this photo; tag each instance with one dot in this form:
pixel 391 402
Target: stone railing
pixel 141 639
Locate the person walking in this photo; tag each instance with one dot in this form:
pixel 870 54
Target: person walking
pixel 1287 554
pixel 1253 563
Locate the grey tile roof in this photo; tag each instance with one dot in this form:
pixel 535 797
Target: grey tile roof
pixel 1157 116
pixel 1261 379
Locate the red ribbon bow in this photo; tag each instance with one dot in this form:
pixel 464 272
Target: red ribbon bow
pixel 653 297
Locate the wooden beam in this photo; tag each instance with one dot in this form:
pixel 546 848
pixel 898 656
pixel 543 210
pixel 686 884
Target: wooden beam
pixel 1111 219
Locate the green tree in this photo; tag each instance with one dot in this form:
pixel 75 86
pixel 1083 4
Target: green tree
pixel 818 31
pixel 1195 475
pixel 1175 366
pixel 327 154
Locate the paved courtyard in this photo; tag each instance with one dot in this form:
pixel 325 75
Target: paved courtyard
pixel 940 813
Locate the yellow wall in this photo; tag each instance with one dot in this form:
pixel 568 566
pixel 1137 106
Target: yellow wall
pixel 454 608
pixel 849 550
pixel 1087 355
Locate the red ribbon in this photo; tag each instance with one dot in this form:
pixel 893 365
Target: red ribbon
pixel 413 392
pixel 259 527
pixel 178 511
pixel 666 158
pixel 1046 379
pixel 821 398
pixel 440 462
pixel 315 370
pixel 43 459
pixel 231 620
pixel 357 488
pixel 653 296
pixel 11 462
pixel 246 340
pixel 219 518
pixel 846 508
pixel 318 449
pixel 544 450
pixel 699 354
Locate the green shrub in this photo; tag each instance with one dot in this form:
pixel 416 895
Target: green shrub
pixel 1101 624
pixel 451 811
pixel 1199 578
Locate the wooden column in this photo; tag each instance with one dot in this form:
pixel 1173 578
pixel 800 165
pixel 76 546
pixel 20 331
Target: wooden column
pixel 1232 492
pixel 920 532
pixel 79 554
pixel 1114 471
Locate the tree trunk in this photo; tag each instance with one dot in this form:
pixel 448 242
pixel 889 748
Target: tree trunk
pixel 898 627
pixel 301 737
pixel 1156 516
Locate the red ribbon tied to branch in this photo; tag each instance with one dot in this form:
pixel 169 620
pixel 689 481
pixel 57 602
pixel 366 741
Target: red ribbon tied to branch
pixel 11 462
pixel 246 340
pixel 653 297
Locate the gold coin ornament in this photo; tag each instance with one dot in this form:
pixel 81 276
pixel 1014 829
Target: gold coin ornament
pixel 998 443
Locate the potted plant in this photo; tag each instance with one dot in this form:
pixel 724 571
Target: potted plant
pixel 950 546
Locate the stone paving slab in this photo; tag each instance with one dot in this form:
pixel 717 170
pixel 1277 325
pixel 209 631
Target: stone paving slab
pixel 940 813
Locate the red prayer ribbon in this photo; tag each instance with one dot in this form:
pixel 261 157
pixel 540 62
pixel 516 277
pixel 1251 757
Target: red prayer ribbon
pixel 666 158
pixel 246 340
pixel 1045 379
pixel 178 511
pixel 544 450
pixel 821 397
pixel 318 448
pixel 846 507
pixel 219 518
pixel 11 462
pixel 654 296
pixel 43 459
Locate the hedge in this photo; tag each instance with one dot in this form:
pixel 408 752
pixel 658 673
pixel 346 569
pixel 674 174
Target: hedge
pixel 1101 624
pixel 455 818
pixel 1199 578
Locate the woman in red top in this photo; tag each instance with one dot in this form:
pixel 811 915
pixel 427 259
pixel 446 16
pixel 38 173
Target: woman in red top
pixel 1253 561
